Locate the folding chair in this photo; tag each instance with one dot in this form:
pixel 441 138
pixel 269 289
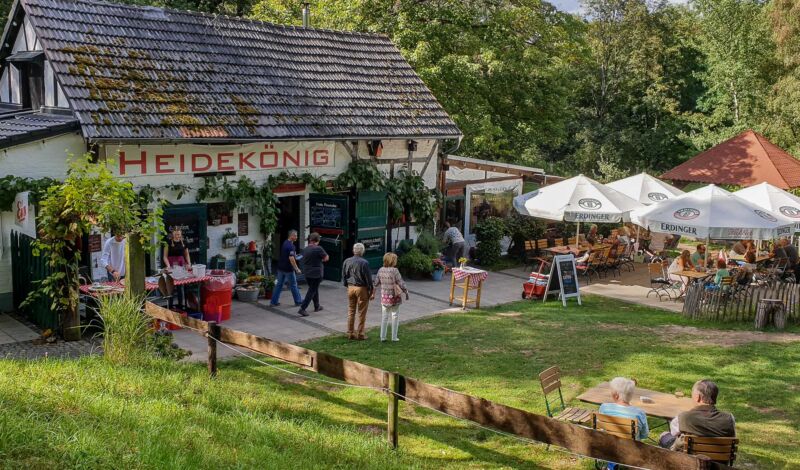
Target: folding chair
pixel 718 449
pixel 589 267
pixel 550 379
pixel 659 282
pixel 624 428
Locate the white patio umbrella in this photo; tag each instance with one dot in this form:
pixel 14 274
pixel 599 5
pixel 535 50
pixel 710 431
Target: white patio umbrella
pixel 645 188
pixel 773 199
pixel 712 212
pixel 578 199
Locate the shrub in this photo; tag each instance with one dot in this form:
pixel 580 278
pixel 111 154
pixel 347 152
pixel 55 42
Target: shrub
pixel 404 247
pixel 125 328
pixel 522 228
pixel 415 263
pixel 489 232
pixel 428 244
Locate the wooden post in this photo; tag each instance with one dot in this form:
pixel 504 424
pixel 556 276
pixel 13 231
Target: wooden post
pixel 394 390
pixel 213 335
pixel 134 266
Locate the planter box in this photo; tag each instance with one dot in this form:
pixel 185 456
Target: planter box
pixel 247 295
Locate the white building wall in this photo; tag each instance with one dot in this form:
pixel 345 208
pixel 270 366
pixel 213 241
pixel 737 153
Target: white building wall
pixel 49 158
pixel 395 149
pixel 33 160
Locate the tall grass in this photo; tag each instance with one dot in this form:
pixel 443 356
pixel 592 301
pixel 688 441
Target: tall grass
pixel 125 328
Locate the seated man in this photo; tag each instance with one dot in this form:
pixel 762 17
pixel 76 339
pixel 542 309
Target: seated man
pixel 699 256
pixel 621 392
pixel 703 420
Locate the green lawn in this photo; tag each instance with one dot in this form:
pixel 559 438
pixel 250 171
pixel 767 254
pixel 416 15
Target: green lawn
pixel 91 415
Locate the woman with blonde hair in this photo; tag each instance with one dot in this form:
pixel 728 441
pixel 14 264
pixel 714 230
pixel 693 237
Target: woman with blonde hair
pixel 392 287
pixel 681 263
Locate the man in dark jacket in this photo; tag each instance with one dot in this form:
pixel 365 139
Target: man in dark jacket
pixel 313 257
pixel 704 420
pixel 357 277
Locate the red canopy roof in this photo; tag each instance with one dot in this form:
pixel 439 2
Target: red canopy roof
pixel 744 160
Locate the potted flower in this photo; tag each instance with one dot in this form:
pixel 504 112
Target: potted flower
pixel 438 269
pixel 229 239
pixel 269 285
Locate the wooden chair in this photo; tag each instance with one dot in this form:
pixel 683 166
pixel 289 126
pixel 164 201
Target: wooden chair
pixel 589 267
pixel 718 449
pixel 625 428
pixel 531 252
pixel 560 241
pixel 572 241
pixel 550 379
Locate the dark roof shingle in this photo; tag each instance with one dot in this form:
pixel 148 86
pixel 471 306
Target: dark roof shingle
pixel 20 128
pixel 134 72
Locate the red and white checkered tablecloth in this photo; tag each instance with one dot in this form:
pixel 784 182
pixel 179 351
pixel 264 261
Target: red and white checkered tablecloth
pixel 476 276
pixel 149 286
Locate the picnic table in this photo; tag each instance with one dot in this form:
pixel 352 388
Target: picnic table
pixel 665 405
pixel 468 279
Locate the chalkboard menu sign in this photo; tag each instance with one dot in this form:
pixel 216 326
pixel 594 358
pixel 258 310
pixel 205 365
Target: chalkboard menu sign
pixel 328 214
pixel 243 226
pixel 95 243
pixel 564 279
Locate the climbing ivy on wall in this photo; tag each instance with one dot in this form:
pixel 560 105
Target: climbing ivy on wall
pixel 11 185
pixel 245 193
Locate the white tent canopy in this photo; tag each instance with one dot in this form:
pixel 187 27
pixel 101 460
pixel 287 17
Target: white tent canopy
pixel 773 199
pixel 578 199
pixel 646 189
pixel 712 212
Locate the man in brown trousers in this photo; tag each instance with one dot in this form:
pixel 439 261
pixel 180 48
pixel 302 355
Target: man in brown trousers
pixel 357 277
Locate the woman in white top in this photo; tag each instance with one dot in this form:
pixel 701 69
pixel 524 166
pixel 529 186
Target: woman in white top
pixel 681 263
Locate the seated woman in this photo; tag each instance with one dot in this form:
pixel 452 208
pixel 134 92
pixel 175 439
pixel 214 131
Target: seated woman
pixel 621 392
pixel 681 263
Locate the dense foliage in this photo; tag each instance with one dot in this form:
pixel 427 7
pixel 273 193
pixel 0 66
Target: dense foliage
pixel 415 263
pixel 629 85
pixel 489 232
pixel 633 85
pixel 90 196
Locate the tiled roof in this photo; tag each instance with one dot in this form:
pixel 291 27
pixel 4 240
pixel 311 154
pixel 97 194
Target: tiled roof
pixel 744 160
pixel 133 72
pixel 20 128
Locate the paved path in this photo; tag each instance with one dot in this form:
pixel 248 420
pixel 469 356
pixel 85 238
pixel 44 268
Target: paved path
pixel 283 324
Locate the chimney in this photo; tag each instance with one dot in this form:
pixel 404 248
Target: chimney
pixel 306 14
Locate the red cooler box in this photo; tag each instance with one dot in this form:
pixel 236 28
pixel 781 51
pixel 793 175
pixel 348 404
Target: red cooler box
pixel 217 294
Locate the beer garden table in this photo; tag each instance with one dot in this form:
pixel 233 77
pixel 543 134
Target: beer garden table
pixel 664 405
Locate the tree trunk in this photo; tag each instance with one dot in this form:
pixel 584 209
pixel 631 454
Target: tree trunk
pixel 135 270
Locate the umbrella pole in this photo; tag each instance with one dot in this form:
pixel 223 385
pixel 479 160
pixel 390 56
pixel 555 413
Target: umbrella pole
pixel 578 233
pixel 708 250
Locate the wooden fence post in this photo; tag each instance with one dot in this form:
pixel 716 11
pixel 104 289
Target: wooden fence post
pixel 394 390
pixel 213 335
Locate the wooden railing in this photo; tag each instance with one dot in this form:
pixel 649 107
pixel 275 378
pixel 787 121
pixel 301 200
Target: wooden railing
pixel 739 303
pixel 577 439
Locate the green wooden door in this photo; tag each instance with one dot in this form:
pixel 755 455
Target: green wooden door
pixel 26 271
pixel 371 215
pixel 192 219
pixel 329 215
